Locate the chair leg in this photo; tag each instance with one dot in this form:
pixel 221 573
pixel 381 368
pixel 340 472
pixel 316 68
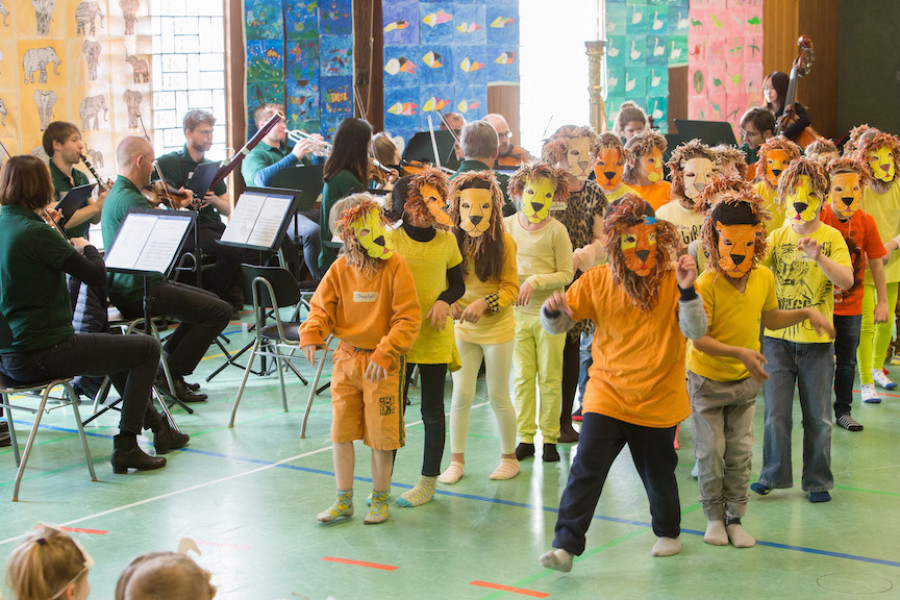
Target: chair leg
pixel 84 444
pixel 100 397
pixel 278 361
pixel 237 398
pixel 12 430
pixel 30 442
pixel 164 407
pixel 312 391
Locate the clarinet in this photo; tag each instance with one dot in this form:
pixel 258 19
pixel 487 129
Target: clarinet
pixel 93 171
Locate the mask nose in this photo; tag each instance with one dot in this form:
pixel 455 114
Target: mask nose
pixel 609 174
pixel 737 259
pixel 475 220
pixel 536 206
pixel 885 167
pixel 847 200
pixel 380 240
pixel 699 186
pixel 800 207
pixel 776 172
pixel 642 254
pixel 583 164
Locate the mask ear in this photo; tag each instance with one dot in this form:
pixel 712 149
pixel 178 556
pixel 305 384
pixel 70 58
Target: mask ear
pixel 719 226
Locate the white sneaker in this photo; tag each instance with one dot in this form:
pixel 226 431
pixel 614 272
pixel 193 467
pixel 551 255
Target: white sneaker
pixel 883 380
pixel 868 393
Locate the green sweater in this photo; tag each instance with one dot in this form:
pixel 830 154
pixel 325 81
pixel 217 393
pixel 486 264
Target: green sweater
pixel 178 167
pixel 340 186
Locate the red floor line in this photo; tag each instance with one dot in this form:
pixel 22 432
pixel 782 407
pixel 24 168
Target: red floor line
pixel 506 588
pixel 360 563
pixel 80 530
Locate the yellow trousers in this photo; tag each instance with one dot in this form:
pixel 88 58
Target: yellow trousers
pixel 537 363
pixel 874 338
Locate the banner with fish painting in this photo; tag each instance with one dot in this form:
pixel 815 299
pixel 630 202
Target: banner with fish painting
pixel 300 54
pixel 644 38
pixel 440 57
pixel 88 63
pixel 725 70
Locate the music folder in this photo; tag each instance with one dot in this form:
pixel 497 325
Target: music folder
pixel 148 241
pixel 72 201
pixel 419 148
pixel 260 218
pixel 711 133
pixel 308 179
pixel 202 177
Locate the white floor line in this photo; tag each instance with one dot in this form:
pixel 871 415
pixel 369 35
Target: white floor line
pixel 196 487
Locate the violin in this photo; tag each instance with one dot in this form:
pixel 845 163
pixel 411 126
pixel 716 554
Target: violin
pixel 157 192
pixel 381 174
pixel 417 167
pixel 801 67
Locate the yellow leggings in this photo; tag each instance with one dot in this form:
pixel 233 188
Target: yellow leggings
pixel 874 338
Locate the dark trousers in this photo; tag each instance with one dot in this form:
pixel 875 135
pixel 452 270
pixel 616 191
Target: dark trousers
pixel 602 438
pixel 203 316
pixel 846 339
pixel 307 225
pixel 130 360
pixel 571 367
pixel 431 381
pixel 226 273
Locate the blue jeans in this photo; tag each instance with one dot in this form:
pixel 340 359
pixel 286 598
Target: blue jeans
pixel 811 368
pixel 846 340
pixel 586 359
pixel 308 232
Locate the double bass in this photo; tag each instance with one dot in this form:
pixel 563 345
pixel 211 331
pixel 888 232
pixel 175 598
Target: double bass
pixel 801 67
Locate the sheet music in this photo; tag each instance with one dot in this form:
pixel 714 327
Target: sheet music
pixel 256 220
pixel 269 221
pixel 242 219
pixel 147 242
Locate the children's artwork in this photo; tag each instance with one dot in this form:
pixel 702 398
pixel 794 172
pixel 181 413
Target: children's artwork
pixel 301 21
pixel 502 21
pixel 336 102
pixel 436 64
pixel 503 64
pixel 335 17
pixel 336 56
pixel 469 63
pixel 470 102
pixel 302 59
pixel 402 109
pixel 435 98
pixel 302 100
pixel 435 23
pixel 400 20
pixel 264 60
pixel 263 20
pixel 469 25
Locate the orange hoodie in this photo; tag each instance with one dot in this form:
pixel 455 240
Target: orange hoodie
pixel 380 314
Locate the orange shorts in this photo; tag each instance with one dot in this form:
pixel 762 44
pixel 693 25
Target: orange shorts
pixel 364 410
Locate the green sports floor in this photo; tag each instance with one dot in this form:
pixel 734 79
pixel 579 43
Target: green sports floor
pixel 248 497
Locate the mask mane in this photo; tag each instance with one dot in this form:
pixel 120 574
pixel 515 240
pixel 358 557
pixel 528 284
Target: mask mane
pixel 850 164
pixel 487 249
pixel 414 202
pixel 725 153
pixel 874 143
pixel 353 250
pixel 554 149
pixel 639 146
pixel 744 207
pixel 626 212
pixel 791 150
pixel 789 180
pixel 816 149
pixel 720 184
pixel 536 171
pixel 683 153
pixel 857 132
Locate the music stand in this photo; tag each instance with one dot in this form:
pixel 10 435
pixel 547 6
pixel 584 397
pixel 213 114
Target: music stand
pixel 202 177
pixel 72 201
pixel 307 179
pixel 259 222
pixel 146 243
pixel 711 133
pixel 419 148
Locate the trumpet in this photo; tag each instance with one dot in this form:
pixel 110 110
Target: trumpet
pixel 322 147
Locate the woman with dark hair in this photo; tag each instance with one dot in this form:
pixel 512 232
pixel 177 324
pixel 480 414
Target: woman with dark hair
pixel 345 172
pixel 775 89
pixel 41 344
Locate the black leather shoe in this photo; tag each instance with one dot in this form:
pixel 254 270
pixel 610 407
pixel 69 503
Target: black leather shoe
pixel 128 455
pixel 166 437
pixel 182 391
pixel 192 386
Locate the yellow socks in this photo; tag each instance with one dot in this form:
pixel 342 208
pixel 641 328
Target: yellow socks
pixel 419 495
pixel 342 507
pixel 379 511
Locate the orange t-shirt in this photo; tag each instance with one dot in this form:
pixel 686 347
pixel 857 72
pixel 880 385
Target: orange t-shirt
pixel 380 314
pixel 638 371
pixel 656 194
pixel 864 243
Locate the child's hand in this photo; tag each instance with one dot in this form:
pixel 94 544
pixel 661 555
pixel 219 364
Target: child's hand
pixel 438 314
pixel 557 303
pixel 881 312
pixel 310 352
pixel 754 362
pixel 525 291
pixel 822 325
pixel 810 248
pixel 475 311
pixel 456 310
pixel 576 262
pixel 685 271
pixel 375 373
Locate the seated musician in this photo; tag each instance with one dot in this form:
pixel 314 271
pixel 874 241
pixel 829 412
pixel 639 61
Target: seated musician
pixel 270 156
pixel 757 128
pixel 480 145
pixel 34 302
pixel 454 121
pixel 775 89
pixel 202 315
pixel 177 168
pixel 63 144
pixel 385 150
pixel 508 156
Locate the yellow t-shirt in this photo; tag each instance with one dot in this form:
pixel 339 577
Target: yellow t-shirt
pixel 734 319
pixel 429 262
pixel 638 371
pixel 687 221
pixel 800 282
pixel 770 204
pixel 543 259
pixel 499 327
pixel 618 193
pixel 885 209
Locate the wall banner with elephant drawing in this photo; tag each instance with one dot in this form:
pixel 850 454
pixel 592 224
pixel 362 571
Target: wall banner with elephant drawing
pixel 87 62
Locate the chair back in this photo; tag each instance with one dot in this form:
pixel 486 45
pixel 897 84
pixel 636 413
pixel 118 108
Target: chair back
pixel 282 282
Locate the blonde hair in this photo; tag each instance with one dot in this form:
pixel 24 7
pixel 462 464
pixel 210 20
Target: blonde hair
pixel 43 565
pixel 384 148
pixel 165 575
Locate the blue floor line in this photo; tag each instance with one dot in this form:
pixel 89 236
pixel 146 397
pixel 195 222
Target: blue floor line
pixel 549 509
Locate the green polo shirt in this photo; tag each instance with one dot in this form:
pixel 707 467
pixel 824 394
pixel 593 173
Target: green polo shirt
pixel 61 185
pixel 468 165
pixel 178 167
pixel 33 294
pixel 123 289
pixel 341 185
pixel 752 155
pixel 264 155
